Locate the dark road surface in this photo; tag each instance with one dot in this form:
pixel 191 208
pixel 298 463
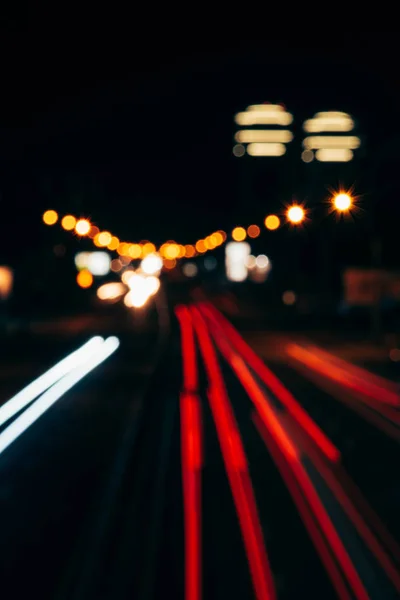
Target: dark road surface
pixel 91 495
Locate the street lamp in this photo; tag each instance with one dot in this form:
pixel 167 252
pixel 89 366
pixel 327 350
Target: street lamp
pixel 342 202
pixel 295 214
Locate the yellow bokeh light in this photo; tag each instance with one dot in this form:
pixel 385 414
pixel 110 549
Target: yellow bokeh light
pixel 342 202
pixel 68 222
pixel 114 243
pixel 135 251
pixel 201 246
pixel 239 234
pixel 253 231
pixel 272 222
pixel 104 238
pixel 50 217
pixel 148 248
pixel 123 249
pixel 82 227
pixel 217 237
pixel 182 251
pixel 295 214
pixel 84 278
pixel 171 251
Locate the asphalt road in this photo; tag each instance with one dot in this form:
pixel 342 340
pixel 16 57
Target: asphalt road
pixel 92 497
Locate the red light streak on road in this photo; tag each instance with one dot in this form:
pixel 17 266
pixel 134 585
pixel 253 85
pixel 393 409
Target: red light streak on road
pixel 192 459
pixel 190 374
pixel 306 515
pixel 236 466
pixel 286 449
pixel 272 382
pixel 342 378
pixel 366 376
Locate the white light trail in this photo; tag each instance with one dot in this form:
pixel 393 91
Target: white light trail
pixel 46 400
pixel 42 383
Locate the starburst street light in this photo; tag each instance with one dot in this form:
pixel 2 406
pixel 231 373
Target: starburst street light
pixel 295 214
pixel 342 202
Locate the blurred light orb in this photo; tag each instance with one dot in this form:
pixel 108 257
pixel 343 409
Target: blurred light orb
pixel 153 285
pixel 82 227
pixel 239 234
pixel 251 261
pixel 289 298
pixel 210 263
pixel 295 214
pixel 262 261
pixel 239 150
pixel 50 217
pixel 394 354
pixel 68 222
pixel 253 231
pixel 342 202
pixel 151 264
pixel 272 222
pixel 307 156
pixel 190 269
pixel 84 279
pixel 104 238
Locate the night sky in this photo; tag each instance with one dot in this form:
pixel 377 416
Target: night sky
pixel 138 135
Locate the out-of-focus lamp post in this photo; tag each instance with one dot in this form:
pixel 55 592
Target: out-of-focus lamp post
pixel 342 202
pixel 295 214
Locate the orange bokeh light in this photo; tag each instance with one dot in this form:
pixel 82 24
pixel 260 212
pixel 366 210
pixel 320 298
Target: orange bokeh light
pixel 68 222
pixel 253 231
pixel 50 217
pixel 272 222
pixel 239 234
pixel 84 278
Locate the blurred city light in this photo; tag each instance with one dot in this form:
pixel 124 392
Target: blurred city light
pixel 342 202
pixel 98 263
pixel 247 136
pixel 169 263
pixel 104 238
pixel 239 150
pixel 236 257
pixel 289 298
pixel 262 261
pixel 153 284
pixel 141 289
pixel 93 231
pixel 239 234
pixel 334 155
pixel 264 114
pixel 82 227
pixel 272 222
pixel 50 217
pixel 114 243
pixel 210 263
pixel 251 261
pixel 151 264
pixel 6 282
pixel 295 214
pixel 253 231
pixel 116 265
pixel 111 291
pixel 307 156
pixel 190 269
pixel 317 142
pixel 260 149
pixel 84 278
pixel 126 275
pixel 330 148
pixel 68 222
pixel 329 121
pixel 201 246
